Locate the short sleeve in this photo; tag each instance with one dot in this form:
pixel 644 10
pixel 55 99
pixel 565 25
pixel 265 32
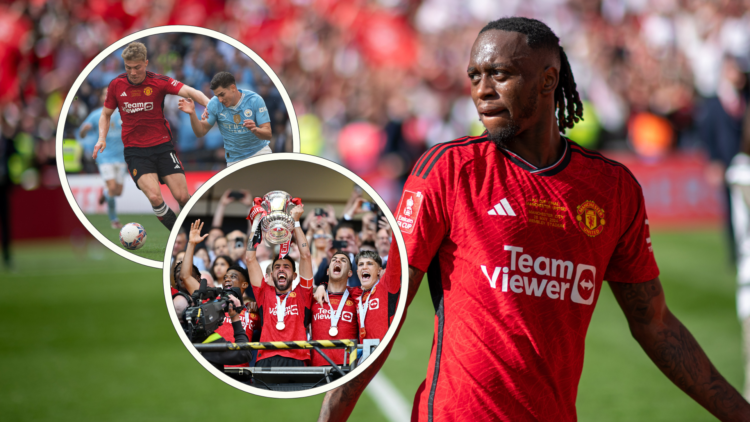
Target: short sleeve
pixel 173 86
pixel 258 293
pixel 422 215
pixel 633 258
pixel 111 100
pixel 212 112
pixel 261 111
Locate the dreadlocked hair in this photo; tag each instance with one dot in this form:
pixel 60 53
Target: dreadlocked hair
pixel 540 36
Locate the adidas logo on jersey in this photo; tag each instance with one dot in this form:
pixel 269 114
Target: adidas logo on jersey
pixel 502 208
pixel 123 94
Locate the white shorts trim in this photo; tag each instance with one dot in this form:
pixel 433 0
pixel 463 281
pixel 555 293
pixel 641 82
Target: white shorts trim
pixel 115 171
pixel 263 151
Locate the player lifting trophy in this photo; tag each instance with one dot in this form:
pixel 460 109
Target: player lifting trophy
pixel 285 308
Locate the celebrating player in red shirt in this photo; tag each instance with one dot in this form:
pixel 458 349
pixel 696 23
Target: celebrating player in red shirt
pixel 336 317
pixel 517 231
pixel 377 305
pixel 285 310
pixel 149 151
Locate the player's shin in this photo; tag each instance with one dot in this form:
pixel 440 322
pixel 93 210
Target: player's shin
pixel 165 215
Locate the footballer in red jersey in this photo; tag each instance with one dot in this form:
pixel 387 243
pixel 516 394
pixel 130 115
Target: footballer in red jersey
pixel 284 309
pixel 517 231
pixel 149 150
pixel 377 305
pixel 336 317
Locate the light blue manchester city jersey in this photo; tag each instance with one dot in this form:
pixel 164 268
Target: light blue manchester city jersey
pixel 114 152
pixel 239 141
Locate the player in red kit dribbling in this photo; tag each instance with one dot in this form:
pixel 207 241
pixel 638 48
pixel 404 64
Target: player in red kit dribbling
pixel 284 309
pixel 517 231
pixel 149 151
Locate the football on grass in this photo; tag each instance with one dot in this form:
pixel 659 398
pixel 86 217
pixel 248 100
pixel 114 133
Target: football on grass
pixel 132 236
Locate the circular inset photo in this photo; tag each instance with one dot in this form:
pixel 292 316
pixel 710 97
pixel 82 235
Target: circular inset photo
pixel 286 276
pixel 155 116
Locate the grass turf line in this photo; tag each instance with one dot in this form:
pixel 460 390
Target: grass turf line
pixel 156 234
pixel 619 382
pixel 87 337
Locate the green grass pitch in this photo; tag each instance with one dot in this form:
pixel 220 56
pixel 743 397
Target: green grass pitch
pixel 86 336
pixel 156 233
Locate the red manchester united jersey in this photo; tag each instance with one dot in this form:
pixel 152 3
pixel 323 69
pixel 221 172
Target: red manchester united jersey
pixel 347 325
pixel 382 299
pixel 516 257
pixel 142 108
pixel 296 319
pixel 250 322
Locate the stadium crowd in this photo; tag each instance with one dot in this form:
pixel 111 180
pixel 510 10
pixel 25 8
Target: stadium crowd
pixel 344 256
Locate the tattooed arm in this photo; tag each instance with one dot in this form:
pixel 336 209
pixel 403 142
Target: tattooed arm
pixel 675 352
pixel 339 403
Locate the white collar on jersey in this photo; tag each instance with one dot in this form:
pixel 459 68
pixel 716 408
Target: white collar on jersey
pixel 237 106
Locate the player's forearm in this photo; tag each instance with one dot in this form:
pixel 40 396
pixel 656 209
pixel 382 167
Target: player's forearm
pixel 263 133
pixel 197 126
pixel 305 257
pixel 104 126
pixel 678 355
pixel 339 403
pixel 674 350
pixel 186 271
pixel 198 96
pixel 84 130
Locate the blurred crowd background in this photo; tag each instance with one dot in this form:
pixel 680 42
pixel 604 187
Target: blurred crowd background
pixel 193 60
pixel 386 78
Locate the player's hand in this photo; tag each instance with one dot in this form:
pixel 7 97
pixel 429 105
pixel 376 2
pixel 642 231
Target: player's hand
pixel 204 116
pixel 250 124
pixel 256 211
pixel 186 105
pixel 297 212
pixel 99 147
pixel 320 295
pixel 195 232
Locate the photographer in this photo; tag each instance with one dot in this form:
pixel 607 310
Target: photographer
pixel 235 283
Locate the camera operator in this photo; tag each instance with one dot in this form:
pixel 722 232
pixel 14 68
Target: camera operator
pixel 285 308
pixel 235 281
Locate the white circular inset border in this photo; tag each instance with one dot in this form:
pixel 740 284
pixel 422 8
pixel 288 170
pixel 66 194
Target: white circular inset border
pixel 401 300
pixel 106 53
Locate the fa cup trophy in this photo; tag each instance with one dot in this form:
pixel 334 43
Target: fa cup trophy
pixel 278 224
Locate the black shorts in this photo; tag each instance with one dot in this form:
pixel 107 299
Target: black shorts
pixel 160 159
